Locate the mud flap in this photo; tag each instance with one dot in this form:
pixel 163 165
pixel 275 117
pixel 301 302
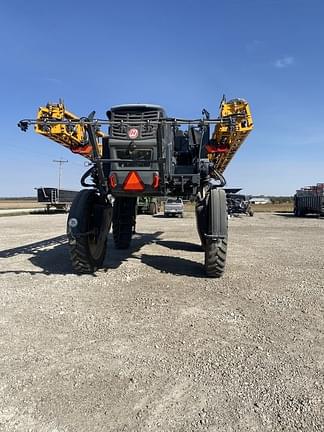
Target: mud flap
pixel 217 213
pixel 211 216
pixel 103 219
pixel 201 220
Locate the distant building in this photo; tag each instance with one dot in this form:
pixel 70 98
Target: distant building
pixel 262 200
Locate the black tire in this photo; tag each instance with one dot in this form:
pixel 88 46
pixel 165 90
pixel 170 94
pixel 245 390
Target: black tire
pixel 123 221
pixel 152 209
pixel 88 225
pixel 298 212
pixel 215 250
pixel 251 213
pixel 215 257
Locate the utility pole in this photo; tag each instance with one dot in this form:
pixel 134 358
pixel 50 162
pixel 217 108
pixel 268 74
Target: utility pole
pixel 60 162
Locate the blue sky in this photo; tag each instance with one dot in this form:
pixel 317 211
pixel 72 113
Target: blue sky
pixel 181 54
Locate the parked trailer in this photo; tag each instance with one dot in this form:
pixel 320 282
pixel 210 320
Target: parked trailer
pixel 53 197
pixel 309 200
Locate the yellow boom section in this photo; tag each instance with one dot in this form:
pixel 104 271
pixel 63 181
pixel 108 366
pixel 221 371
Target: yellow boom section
pixel 227 139
pixel 72 136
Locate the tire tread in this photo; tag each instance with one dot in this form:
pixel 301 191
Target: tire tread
pixel 82 261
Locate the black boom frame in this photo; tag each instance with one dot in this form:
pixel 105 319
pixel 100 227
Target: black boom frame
pixel 186 183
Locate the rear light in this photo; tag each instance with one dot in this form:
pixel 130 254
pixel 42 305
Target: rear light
pixel 156 181
pixel 112 181
pixel 133 182
pixel 217 148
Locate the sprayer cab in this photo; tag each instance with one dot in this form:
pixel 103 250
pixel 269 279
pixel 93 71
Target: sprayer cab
pixel 152 154
pixel 136 148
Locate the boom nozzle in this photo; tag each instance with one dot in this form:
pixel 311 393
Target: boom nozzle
pixel 23 125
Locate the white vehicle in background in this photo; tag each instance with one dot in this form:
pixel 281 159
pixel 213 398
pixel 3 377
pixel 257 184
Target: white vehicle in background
pixel 173 206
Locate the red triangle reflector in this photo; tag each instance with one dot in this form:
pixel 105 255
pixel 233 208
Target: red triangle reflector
pixel 133 182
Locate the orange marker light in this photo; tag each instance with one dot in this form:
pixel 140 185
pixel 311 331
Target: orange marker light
pixel 112 180
pixel 133 182
pixel 156 181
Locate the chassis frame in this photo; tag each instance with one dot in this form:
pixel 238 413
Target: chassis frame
pixel 92 212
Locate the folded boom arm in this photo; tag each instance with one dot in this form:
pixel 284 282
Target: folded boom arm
pixel 231 128
pixel 228 137
pixel 69 130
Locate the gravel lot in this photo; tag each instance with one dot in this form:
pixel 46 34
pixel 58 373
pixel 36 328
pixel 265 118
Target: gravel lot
pixel 148 343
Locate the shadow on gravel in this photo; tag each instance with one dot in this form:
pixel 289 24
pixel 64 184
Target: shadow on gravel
pixel 180 245
pixel 49 213
pixel 291 215
pixel 52 255
pixel 174 265
pixel 160 216
pixel 115 257
pixel 287 215
pixel 33 248
pixel 55 260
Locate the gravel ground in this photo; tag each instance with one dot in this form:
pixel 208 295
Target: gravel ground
pixel 21 211
pixel 148 343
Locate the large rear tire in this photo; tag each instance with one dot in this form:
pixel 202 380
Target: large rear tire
pixel 123 221
pixel 212 218
pixel 88 226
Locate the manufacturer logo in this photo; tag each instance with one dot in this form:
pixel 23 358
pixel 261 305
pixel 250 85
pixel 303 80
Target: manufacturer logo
pixel 73 222
pixel 133 133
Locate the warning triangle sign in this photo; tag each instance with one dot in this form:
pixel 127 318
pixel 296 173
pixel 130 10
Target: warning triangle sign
pixel 133 182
